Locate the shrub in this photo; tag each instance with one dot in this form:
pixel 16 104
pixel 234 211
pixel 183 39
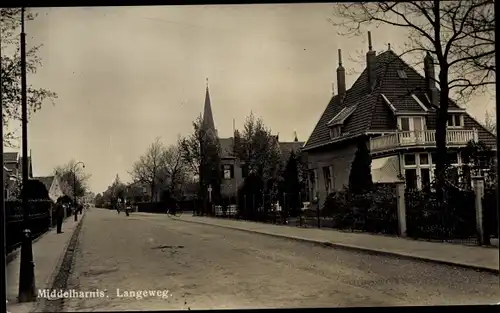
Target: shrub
pixel 372 211
pixel 360 177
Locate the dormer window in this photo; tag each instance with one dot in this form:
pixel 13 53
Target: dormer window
pixel 336 123
pixel 402 74
pixel 455 120
pixel 335 131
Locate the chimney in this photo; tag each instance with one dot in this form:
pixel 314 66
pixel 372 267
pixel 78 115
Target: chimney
pixel 296 138
pixel 371 63
pixel 430 79
pixel 341 77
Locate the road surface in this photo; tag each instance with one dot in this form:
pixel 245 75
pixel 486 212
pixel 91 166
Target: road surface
pixel 203 267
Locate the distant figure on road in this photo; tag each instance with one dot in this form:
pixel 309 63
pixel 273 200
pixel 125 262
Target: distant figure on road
pixel 118 205
pixel 60 207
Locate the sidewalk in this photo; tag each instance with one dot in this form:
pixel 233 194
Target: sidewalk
pixel 48 252
pixel 479 258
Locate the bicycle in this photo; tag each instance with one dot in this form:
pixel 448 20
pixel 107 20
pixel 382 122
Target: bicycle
pixel 177 212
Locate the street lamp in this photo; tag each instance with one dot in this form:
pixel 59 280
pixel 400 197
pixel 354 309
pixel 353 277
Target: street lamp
pixel 74 187
pixel 2 202
pixel 27 291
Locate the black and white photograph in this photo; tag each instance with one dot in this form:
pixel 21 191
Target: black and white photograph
pixel 249 156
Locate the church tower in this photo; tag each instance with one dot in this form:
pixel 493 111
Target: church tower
pixel 208 118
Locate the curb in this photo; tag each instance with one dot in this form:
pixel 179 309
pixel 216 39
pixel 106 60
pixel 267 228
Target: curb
pixel 59 277
pixel 358 249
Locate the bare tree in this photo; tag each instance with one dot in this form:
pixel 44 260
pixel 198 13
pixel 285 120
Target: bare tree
pixel 459 34
pixel 66 175
pixel 148 168
pixel 174 172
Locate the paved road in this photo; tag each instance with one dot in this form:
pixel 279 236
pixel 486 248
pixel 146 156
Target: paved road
pixel 206 267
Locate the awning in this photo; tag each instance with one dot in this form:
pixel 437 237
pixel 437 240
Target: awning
pixel 386 170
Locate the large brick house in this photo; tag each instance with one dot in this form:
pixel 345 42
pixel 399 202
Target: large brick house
pixel 392 109
pixel 233 170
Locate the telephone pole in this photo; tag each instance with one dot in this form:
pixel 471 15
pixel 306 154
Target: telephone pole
pixel 27 291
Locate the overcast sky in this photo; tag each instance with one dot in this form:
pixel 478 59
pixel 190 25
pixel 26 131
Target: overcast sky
pixel 125 75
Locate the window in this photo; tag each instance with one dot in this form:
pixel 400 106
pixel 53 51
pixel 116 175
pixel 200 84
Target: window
pixel 424 159
pixel 405 124
pixel 453 157
pixel 425 178
pixel 334 132
pixel 414 123
pixel 410 159
pixel 313 181
pixel 228 171
pixel 402 74
pixel 418 170
pixel 327 177
pixel 455 120
pixel 411 178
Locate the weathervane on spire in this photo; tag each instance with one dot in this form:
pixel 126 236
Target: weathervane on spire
pixel 207 82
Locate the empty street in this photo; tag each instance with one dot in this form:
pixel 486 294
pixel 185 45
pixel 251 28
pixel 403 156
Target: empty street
pixel 154 262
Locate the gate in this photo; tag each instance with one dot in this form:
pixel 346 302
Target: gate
pixel 454 220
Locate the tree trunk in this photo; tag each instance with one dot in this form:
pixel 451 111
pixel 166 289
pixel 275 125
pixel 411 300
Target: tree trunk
pixel 442 153
pixel 152 192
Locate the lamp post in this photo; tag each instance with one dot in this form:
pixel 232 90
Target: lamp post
pixel 74 187
pixel 27 291
pixel 2 203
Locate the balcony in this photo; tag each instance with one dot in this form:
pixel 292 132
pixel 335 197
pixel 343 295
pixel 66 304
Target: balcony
pixel 423 138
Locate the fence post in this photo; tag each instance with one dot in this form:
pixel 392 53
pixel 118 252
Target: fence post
pixel 401 207
pixel 318 214
pixel 478 184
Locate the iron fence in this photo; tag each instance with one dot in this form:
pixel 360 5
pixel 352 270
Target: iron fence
pixel 451 220
pixel 39 221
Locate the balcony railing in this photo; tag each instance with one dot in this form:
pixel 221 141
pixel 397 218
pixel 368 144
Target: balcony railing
pixel 424 138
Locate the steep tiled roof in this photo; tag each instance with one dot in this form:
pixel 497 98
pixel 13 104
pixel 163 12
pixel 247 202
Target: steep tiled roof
pixel 372 111
pixel 47 181
pixel 10 157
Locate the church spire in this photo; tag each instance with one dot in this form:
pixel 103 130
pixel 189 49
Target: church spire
pixel 208 118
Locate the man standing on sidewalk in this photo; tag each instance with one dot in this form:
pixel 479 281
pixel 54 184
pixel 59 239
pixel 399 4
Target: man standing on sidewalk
pixel 60 207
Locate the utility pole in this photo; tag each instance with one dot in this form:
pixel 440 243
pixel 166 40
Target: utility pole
pixel 74 194
pixel 2 203
pixel 27 269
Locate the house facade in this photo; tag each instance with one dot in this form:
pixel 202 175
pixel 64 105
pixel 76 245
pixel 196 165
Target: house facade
pixel 392 109
pixel 233 170
pixel 53 186
pixel 13 171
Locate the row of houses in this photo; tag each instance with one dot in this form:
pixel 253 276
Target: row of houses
pixel 392 109
pixel 12 172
